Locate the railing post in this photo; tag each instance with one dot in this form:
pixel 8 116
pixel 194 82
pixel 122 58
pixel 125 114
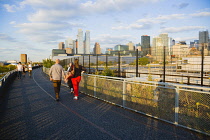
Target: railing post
pixel 164 63
pixel 118 63
pixel 202 63
pixel 94 86
pixel 89 64
pixel 106 61
pixel 188 80
pixel 97 62
pixel 124 93
pixel 83 63
pixel 137 63
pixel 176 114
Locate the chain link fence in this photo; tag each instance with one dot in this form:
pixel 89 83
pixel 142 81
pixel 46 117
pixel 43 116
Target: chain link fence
pixel 183 105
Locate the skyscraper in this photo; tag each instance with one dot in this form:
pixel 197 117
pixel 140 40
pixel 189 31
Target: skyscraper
pixel 80 49
pixel 87 42
pixel 145 44
pixel 159 45
pixel 97 49
pixel 204 40
pixel 61 45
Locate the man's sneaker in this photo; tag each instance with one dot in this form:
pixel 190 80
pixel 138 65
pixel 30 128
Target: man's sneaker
pixel 75 98
pixel 57 97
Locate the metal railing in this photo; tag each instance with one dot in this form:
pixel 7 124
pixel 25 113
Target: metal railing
pixel 4 80
pixel 179 104
pixel 191 72
pixel 8 77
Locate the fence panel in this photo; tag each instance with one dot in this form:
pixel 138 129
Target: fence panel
pixel 194 109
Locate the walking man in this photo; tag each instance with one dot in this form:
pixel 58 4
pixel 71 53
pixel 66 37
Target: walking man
pixel 56 73
pixel 19 70
pixel 29 69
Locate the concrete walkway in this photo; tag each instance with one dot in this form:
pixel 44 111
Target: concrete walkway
pixel 28 111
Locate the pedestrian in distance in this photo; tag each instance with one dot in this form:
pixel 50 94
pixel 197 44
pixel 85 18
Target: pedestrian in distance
pixel 19 70
pixel 70 73
pixel 56 73
pixel 24 70
pixel 78 69
pixel 29 69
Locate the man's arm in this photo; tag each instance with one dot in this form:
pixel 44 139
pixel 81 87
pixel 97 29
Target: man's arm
pixel 50 73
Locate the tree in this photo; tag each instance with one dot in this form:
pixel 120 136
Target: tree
pixel 48 63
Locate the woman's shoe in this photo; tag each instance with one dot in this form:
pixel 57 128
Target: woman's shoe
pixel 75 98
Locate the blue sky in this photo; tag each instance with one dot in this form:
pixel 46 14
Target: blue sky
pixel 35 27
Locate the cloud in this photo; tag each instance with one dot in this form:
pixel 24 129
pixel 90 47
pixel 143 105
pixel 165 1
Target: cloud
pixel 169 17
pixel 181 29
pixel 182 5
pixel 161 18
pixel 5 37
pixel 201 14
pixel 10 8
pixel 33 27
pixel 185 38
pixel 46 15
pixel 110 39
pixel 46 32
pixel 132 26
pixel 12 22
pixel 63 9
pixel 147 23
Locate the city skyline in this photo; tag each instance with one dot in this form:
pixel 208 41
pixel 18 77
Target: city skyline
pixel 36 27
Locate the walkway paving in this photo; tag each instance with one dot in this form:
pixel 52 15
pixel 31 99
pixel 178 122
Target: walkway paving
pixel 29 111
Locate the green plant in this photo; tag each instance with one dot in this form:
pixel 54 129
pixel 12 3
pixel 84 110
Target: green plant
pixel 48 63
pixel 107 72
pixel 143 61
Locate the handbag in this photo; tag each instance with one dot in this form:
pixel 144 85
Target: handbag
pixel 70 74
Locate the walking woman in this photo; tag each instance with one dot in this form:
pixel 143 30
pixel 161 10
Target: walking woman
pixel 78 69
pixel 70 73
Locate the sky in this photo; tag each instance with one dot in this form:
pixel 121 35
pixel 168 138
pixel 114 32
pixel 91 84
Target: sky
pixel 35 27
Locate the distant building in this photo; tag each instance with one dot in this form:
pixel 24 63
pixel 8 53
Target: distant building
pixel 80 48
pixel 160 45
pixel 131 46
pixel 23 58
pixel 97 48
pixel 194 63
pixel 204 41
pixel 109 49
pixel 173 42
pixel 87 42
pixel 69 50
pixel 180 50
pixel 145 44
pixel 61 45
pixel 58 52
pixel 69 43
pixel 138 46
pixel 121 48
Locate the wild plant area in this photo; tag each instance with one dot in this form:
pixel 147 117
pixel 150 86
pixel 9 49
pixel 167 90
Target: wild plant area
pixel 5 69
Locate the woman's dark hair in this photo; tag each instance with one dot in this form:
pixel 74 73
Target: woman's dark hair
pixel 76 63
